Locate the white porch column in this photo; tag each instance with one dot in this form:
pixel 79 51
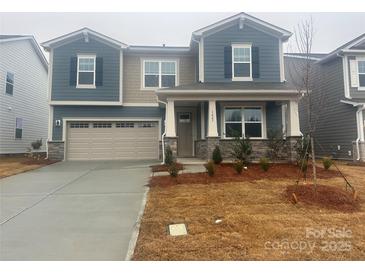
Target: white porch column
pixel 212 119
pixel 170 119
pixel 293 125
pixel 202 121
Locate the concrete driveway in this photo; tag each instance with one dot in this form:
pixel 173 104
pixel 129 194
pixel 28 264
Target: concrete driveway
pixel 71 210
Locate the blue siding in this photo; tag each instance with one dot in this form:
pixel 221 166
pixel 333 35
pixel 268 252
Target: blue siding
pixel 61 89
pixel 273 117
pixel 61 112
pixel 214 53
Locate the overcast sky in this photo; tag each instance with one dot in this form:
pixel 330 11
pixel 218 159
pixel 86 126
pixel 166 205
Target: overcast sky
pixel 174 29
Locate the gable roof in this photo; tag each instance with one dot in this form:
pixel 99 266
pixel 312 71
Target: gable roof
pixel 84 32
pixel 243 18
pixel 345 47
pixel 13 38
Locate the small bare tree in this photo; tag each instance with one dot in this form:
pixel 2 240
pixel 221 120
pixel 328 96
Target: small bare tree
pixel 303 74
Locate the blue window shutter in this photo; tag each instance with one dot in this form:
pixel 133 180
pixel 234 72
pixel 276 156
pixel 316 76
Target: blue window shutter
pixel 255 62
pixel 99 71
pixel 73 71
pixel 228 62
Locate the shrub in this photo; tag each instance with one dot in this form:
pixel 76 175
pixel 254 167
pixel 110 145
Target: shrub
pixel 303 149
pixel 276 144
pixel 169 158
pixel 241 150
pixel 36 144
pixel 217 156
pixel 264 164
pixel 173 170
pixel 303 165
pixel 238 166
pixel 327 162
pixel 210 167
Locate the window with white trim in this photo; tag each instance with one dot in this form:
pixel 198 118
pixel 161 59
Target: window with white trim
pixel 159 74
pixel 243 121
pixel 9 83
pixel 86 71
pixel 361 72
pixel 241 62
pixel 18 128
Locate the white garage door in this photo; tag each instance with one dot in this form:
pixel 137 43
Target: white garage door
pixel 112 140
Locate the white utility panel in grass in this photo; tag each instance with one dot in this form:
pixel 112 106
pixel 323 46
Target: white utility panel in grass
pixel 177 230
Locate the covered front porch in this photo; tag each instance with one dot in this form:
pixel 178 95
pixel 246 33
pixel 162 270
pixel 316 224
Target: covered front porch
pixel 195 124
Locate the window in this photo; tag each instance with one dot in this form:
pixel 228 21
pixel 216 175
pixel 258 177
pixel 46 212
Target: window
pixel 79 125
pixel 184 118
pixel 18 128
pixel 246 121
pixel 124 125
pixel 361 67
pixel 86 71
pixel 9 83
pixel 159 74
pixel 147 124
pixel 102 125
pixel 241 62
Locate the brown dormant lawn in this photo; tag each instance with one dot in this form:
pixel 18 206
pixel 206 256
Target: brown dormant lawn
pixel 18 164
pixel 258 222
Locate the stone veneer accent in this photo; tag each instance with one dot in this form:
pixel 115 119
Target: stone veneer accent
pixel 204 149
pixel 56 150
pixel 361 150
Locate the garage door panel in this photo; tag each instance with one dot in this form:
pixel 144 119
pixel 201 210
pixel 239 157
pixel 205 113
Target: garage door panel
pixel 89 143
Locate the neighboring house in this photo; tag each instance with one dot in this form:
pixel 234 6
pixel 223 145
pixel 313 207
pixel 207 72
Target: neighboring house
pixel 109 100
pixel 23 94
pixel 338 100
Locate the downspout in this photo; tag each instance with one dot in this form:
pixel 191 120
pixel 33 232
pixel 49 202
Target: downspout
pixel 360 109
pixel 164 133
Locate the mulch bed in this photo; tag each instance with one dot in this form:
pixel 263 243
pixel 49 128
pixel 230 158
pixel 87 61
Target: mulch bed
pixel 161 168
pixel 31 161
pixel 329 197
pixel 225 173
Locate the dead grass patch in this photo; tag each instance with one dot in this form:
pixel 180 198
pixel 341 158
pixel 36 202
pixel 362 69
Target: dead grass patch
pixel 255 218
pixel 18 164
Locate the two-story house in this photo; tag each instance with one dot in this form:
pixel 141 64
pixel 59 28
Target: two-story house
pixel 110 100
pixel 23 94
pixel 338 101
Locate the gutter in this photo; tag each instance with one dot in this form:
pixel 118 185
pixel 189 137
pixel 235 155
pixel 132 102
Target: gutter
pixel 358 120
pixel 164 133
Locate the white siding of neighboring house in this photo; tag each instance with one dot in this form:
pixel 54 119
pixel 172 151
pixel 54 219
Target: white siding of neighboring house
pixel 29 100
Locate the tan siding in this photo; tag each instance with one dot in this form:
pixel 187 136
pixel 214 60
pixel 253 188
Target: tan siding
pixel 132 86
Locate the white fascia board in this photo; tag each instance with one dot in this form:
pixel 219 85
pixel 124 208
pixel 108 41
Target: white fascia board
pixel 301 57
pixel 361 51
pixel 83 31
pixel 242 16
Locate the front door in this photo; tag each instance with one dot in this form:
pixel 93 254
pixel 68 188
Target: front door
pixel 185 134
